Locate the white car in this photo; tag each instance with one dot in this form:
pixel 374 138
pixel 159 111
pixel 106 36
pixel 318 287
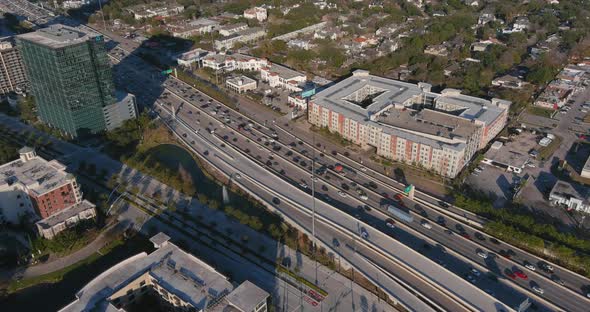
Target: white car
pixel 363 169
pixel 475 272
pixel 237 176
pixel 303 185
pixel 530 266
pixel 364 197
pixel 482 254
pixel 426 225
pixel 538 290
pixel 342 194
pixel 390 224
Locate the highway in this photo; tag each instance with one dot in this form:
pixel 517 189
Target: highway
pixel 460 251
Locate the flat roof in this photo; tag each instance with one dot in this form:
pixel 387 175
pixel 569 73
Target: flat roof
pixel 284 72
pixel 37 174
pixel 179 272
pixel 514 154
pixel 65 214
pixel 567 190
pixel 430 122
pixel 58 36
pixel 244 80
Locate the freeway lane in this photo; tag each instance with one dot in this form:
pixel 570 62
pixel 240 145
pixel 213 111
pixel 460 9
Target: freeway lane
pixel 248 168
pixel 185 91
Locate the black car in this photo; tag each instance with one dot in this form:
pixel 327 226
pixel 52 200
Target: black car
pixel 444 204
pixel 441 220
pixel 276 201
pixel 479 236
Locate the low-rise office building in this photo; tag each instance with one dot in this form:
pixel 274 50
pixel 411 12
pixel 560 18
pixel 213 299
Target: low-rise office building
pixel 257 13
pixel 230 29
pixel 279 76
pixel 191 57
pixel 178 280
pixel 34 188
pixel 407 122
pixel 196 27
pixel 247 35
pixel 241 84
pixel 236 61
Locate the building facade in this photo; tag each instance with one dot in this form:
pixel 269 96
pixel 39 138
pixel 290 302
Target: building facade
pixel 70 77
pixel 12 71
pixel 123 109
pixel 35 188
pixel 241 84
pixel 279 76
pixel 407 122
pixel 179 281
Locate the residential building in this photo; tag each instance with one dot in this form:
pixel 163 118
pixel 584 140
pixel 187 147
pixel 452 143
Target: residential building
pixel 437 50
pixel 197 27
pixel 70 77
pixel 566 194
pixel 248 35
pixel 300 44
pixel 156 9
pixel 279 76
pixel 12 70
pixel 332 34
pixel 180 281
pixel 486 17
pixel 75 4
pixel 407 122
pixel 34 188
pixel 236 61
pixel 509 81
pixel 123 109
pixel 257 13
pixel 520 24
pixel 241 84
pixel 230 29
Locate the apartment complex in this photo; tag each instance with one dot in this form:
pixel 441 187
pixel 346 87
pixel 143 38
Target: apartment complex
pixel 257 13
pixel 178 280
pixel 40 189
pixel 245 36
pixel 407 122
pixel 70 77
pixel 236 61
pixel 12 70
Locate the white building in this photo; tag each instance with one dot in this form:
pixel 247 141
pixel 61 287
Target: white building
pixel 125 108
pixel 299 44
pixel 258 13
pixel 241 84
pixel 231 62
pixel 147 11
pixel 196 27
pixel 279 76
pixel 248 35
pixel 179 280
pixel 191 57
pixel 566 195
pixel 230 29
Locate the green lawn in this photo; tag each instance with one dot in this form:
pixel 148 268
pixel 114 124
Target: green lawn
pixel 546 151
pixel 543 112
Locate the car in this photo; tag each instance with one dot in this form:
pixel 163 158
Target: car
pixel 482 254
pixel 276 201
pixel 237 176
pixel 364 197
pixel 398 197
pixel 511 275
pixel 521 274
pixel 390 223
pixel 444 204
pixel 546 267
pixel 342 194
pixel 475 272
pixel 363 169
pixel 557 280
pixel 538 290
pixel 364 233
pixel 494 241
pixel 425 224
pixel 465 234
pixel 303 185
pixel 529 266
pixel 441 220
pixel 479 236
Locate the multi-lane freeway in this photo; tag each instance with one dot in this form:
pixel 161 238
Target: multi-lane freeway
pixel 468 261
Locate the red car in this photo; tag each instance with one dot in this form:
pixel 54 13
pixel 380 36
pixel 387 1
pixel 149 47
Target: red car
pixel 464 234
pixel 511 275
pixel 521 274
pixel 398 197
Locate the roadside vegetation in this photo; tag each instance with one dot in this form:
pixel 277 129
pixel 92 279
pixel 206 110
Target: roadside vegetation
pixel 538 235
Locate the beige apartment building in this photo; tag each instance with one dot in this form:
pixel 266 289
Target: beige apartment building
pixel 407 122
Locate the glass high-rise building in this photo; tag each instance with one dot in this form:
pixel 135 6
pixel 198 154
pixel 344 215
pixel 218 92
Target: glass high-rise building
pixel 70 77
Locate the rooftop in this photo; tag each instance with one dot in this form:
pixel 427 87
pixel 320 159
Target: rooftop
pixel 240 80
pixel 284 72
pixel 566 190
pixel 58 36
pixel 37 174
pixel 179 272
pixel 65 214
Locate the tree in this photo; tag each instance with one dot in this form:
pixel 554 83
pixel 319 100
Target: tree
pixel 27 110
